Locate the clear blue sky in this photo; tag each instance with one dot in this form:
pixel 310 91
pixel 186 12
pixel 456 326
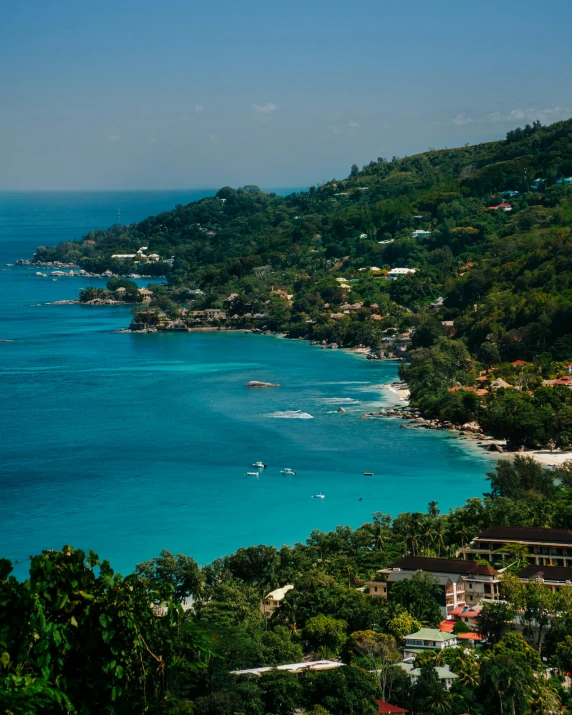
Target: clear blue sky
pixel 188 93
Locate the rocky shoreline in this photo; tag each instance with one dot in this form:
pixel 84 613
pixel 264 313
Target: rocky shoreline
pixel 74 271
pixel 470 431
pixel 413 416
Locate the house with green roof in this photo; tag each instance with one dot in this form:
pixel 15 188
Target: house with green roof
pixel 427 639
pixel 444 674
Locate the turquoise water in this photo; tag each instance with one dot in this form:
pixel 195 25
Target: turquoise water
pixel 128 444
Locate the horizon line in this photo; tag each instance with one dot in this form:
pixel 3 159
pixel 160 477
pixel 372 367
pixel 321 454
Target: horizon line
pixel 202 188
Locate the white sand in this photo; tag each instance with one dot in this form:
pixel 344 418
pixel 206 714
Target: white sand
pixel 546 457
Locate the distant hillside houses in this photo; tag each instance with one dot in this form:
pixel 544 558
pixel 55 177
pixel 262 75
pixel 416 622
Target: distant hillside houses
pixel 398 272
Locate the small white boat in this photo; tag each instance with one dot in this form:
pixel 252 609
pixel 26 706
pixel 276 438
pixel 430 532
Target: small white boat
pixel 252 474
pixel 287 471
pixel 259 465
pixel 319 496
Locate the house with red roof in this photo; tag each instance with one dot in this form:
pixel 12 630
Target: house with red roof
pixel 472 637
pixel 519 363
pixel 467 614
pixel 388 708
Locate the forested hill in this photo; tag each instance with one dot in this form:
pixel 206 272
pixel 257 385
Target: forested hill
pixel 486 228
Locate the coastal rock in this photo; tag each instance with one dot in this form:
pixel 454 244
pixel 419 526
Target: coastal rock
pixel 257 383
pixel 341 409
pixel 471 427
pixel 494 448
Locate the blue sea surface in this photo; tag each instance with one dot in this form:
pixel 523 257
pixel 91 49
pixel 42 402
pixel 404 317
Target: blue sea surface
pixel 128 444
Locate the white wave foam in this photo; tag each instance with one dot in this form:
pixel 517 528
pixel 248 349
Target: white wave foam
pixel 339 400
pixel 291 415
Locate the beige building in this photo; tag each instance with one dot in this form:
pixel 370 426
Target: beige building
pixel 274 599
pixel 546 547
pixel 460 582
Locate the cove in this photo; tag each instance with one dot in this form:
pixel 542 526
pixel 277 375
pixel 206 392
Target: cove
pixel 128 444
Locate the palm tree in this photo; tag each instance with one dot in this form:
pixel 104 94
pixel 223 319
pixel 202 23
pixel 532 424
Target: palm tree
pixel 417 528
pixel 468 673
pixel 439 535
pixel 432 508
pixel 439 701
pixel 429 537
pixel 464 533
pixel 544 700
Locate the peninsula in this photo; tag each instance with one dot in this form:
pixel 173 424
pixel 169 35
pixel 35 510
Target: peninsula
pixel 457 260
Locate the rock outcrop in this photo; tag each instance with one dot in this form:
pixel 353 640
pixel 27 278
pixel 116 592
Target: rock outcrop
pixel 257 383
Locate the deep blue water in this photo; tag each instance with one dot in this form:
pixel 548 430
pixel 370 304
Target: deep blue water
pixel 128 444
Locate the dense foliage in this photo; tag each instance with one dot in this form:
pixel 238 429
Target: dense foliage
pixel 76 637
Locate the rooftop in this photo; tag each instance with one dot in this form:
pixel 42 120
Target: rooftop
pixel 443 673
pixel 447 627
pixel 548 573
pixel 430 634
pixel 455 566
pixel 388 708
pixel 279 593
pixel 525 533
pixel 466 611
pixel 293 667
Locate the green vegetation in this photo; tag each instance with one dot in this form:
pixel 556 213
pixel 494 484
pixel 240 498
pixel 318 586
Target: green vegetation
pixel 78 638
pixel 118 289
pixel 301 264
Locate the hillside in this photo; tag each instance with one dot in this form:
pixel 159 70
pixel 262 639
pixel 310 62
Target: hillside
pixel 486 228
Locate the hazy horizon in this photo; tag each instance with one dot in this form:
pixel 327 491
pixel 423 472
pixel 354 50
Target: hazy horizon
pixel 141 96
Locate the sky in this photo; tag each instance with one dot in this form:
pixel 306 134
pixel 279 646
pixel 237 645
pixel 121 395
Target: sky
pixel 149 94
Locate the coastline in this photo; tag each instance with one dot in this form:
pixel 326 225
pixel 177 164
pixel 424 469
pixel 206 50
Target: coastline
pixel 470 435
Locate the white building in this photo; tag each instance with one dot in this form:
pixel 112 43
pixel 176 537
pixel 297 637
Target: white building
pixel 293 667
pixel 397 272
pixel 427 639
pixel 273 600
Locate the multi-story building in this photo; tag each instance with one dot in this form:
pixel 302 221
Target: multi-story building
pixel 460 582
pixel 556 577
pixel 546 547
pixel 427 639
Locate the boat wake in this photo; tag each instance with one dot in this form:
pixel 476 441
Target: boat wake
pixel 291 415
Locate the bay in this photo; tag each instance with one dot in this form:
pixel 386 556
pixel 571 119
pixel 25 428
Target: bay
pixel 128 444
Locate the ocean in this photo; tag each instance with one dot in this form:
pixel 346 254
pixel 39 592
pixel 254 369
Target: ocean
pixel 128 444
